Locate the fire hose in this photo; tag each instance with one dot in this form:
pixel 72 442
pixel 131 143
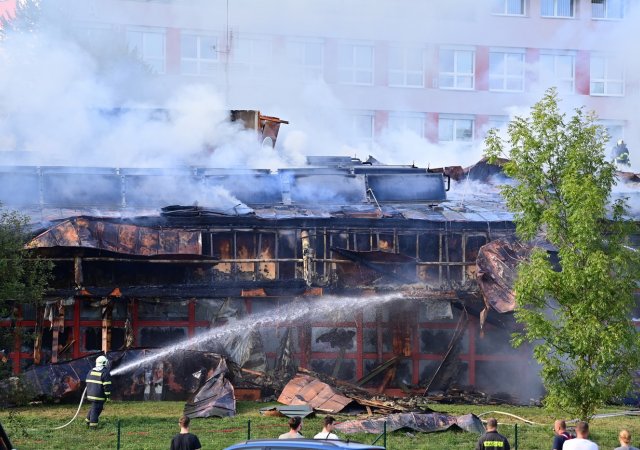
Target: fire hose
pixel 77 412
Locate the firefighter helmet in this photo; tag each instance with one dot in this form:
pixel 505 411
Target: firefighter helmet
pixel 101 361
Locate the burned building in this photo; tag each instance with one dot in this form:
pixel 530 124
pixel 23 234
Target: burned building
pixel 131 271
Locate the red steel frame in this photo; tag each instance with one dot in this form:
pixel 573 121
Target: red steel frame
pixel 471 356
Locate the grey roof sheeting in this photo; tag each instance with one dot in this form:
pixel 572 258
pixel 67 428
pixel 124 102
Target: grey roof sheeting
pixel 347 190
pixel 69 187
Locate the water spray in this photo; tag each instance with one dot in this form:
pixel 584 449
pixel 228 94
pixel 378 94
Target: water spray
pixel 289 313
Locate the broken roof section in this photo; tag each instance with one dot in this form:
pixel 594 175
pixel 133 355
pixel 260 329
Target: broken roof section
pixel 305 389
pixel 424 423
pixel 119 238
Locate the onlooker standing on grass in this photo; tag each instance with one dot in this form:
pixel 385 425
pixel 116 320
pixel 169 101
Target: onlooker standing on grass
pixel 327 429
pixel 492 440
pixel 560 429
pixel 625 441
pixel 295 425
pixel 185 440
pixel 581 442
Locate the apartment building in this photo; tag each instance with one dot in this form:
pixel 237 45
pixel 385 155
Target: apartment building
pixel 447 72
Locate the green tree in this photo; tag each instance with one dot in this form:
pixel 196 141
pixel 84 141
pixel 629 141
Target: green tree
pixel 578 315
pixel 27 15
pixel 23 279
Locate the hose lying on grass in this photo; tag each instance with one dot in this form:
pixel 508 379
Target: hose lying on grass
pixel 511 415
pixel 77 412
pixel 597 416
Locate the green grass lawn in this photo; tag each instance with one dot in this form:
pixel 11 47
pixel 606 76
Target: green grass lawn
pixel 150 425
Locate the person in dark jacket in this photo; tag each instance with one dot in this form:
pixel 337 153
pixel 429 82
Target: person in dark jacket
pixel 98 390
pixel 560 429
pixel 185 440
pixel 492 440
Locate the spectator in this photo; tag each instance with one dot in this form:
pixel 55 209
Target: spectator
pixel 295 425
pixel 581 442
pixel 492 440
pixel 327 429
pixel 560 429
pixel 185 440
pixel 625 441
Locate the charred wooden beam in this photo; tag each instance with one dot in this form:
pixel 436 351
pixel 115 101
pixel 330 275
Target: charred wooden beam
pixel 58 326
pixel 37 339
pixel 308 256
pixel 107 313
pixel 78 276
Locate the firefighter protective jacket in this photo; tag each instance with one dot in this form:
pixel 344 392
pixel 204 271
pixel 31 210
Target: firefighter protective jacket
pixel 98 384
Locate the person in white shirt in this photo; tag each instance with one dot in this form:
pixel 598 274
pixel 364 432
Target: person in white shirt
pixel 326 432
pixel 581 442
pixel 295 426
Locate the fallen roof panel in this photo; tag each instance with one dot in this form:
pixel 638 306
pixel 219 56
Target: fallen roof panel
pixel 424 423
pixel 307 390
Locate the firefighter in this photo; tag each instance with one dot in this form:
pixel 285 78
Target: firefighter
pixel 98 390
pixel 620 153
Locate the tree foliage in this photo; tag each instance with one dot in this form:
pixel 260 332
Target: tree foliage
pixel 578 314
pixel 23 279
pixel 27 15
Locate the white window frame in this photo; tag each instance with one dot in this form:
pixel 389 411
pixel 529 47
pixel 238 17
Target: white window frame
pixel 555 9
pixel 501 8
pixel 404 72
pixel 304 69
pixel 606 3
pixel 159 64
pixel 504 74
pixel 607 81
pixel 199 59
pixel 556 55
pixel 356 129
pixel 255 64
pixel 348 74
pixel 457 76
pixel 400 121
pixel 456 120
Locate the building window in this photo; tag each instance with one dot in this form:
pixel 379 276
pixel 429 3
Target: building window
pixel 457 69
pixel 306 59
pixel 252 57
pixel 149 45
pixel 607 76
pixel 558 69
pixel 413 122
pixel 362 126
pixel 607 9
pixel 455 129
pixel 497 122
pixel 406 67
pixel 509 7
pixel 506 71
pixel 355 64
pixel 557 8
pixel 615 130
pixel 198 54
